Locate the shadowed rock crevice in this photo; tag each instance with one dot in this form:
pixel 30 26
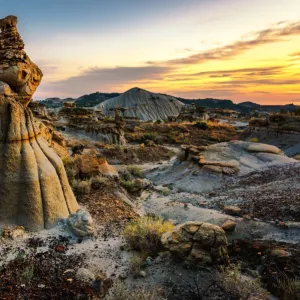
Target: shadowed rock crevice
pixel 34 189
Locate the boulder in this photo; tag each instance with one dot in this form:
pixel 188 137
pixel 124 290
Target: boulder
pixel 81 223
pixel 197 243
pixel 90 164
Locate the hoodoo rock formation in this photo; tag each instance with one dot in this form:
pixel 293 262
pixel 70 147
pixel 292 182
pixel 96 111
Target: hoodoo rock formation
pixel 34 189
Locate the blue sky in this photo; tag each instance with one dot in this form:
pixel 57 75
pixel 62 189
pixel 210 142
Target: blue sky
pixel 87 46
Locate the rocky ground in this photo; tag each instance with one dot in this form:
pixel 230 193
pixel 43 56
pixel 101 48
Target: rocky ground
pixel 270 195
pixel 262 230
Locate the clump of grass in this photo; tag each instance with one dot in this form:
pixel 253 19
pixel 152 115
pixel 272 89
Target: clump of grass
pixel 135 171
pixel 253 140
pixel 97 182
pixel 119 291
pixel 144 234
pixel 165 191
pixel 240 287
pixel 132 186
pixel 81 187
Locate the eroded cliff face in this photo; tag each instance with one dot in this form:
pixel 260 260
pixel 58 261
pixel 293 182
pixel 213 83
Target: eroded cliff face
pixel 34 189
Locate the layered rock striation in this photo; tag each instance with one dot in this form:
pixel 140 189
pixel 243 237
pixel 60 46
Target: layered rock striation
pixel 34 189
pixel 144 105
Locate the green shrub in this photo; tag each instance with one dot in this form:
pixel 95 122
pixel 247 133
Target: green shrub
pixel 145 233
pixel 127 176
pixel 165 191
pixel 201 125
pixel 135 171
pixel 132 186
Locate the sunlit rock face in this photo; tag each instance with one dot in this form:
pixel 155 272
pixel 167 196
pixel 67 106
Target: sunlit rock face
pixel 34 189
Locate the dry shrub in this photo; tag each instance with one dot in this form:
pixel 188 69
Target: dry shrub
pixel 144 234
pixel 81 187
pixel 120 292
pixel 97 182
pixel 240 287
pixel 290 289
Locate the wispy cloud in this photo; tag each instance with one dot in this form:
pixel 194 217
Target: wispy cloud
pixel 253 40
pixel 106 78
pixel 295 54
pixel 255 82
pixel 261 70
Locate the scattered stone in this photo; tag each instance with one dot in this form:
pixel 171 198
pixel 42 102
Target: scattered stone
pixel 149 261
pixel 142 274
pixel 233 211
pixel 229 225
pixel 84 275
pixel 60 248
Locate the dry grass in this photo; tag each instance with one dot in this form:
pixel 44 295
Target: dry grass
pixel 120 292
pixel 240 287
pixel 81 187
pixel 290 289
pixel 144 234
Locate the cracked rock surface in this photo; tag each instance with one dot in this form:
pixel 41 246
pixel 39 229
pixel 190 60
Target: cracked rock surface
pixel 197 243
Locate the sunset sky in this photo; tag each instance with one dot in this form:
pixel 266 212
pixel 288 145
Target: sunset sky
pixel 243 50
